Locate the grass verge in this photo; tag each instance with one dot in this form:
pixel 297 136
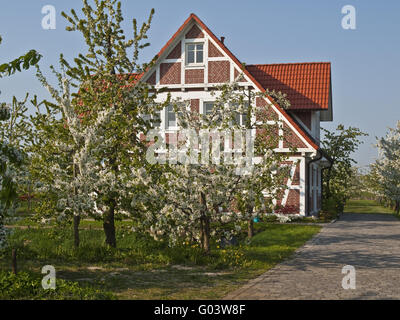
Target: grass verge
pixel 366 206
pixel 141 268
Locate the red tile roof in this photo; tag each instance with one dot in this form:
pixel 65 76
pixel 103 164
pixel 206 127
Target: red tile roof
pixel 307 85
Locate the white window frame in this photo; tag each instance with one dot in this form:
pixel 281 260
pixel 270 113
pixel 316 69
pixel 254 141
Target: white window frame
pixel 195 64
pixel 203 109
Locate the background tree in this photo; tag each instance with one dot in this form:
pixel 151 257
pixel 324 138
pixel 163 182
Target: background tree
pixel 339 146
pixel 12 129
pixel 388 166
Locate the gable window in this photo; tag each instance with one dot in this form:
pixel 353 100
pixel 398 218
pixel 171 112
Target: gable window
pixel 194 53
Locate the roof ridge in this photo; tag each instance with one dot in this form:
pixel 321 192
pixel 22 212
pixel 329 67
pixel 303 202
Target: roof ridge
pixel 287 63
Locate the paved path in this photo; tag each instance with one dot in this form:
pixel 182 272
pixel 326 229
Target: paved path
pixel 369 242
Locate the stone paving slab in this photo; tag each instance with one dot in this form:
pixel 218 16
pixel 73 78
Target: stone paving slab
pixel 368 242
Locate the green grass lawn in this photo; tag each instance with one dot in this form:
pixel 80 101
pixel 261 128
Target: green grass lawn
pixel 366 206
pixel 141 268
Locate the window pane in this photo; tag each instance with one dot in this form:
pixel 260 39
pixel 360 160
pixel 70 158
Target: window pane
pixel 171 117
pixel 244 119
pixel 190 47
pixel 199 56
pixel 199 47
pixel 208 108
pixel 190 57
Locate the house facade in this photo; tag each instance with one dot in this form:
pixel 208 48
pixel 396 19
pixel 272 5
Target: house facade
pixel 194 61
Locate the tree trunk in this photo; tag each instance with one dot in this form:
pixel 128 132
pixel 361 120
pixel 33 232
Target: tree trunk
pixel 77 220
pixel 206 235
pixel 250 230
pixel 14 260
pixel 205 225
pixel 109 226
pixel 397 209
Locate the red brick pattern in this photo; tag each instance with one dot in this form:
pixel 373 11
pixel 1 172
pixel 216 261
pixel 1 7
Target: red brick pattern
pixel 236 74
pixel 194 76
pixel 218 71
pixel 262 114
pixel 296 177
pixel 152 79
pixel 213 50
pixel 194 33
pixel 170 73
pixel 195 105
pixel 291 139
pixel 270 136
pixel 293 199
pixel 176 52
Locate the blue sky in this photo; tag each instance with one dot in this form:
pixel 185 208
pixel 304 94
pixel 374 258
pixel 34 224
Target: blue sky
pixel 365 61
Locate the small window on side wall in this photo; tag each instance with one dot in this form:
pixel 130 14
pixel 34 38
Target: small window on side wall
pixel 208 107
pixel 194 54
pixel 170 117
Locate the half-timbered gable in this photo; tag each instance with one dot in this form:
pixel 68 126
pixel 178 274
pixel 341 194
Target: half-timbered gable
pixel 194 62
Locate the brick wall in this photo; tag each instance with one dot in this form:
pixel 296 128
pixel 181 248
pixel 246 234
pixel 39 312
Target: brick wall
pixel 236 73
pixel 195 105
pixel 194 33
pixel 213 50
pixel 194 76
pixel 291 139
pixel 176 52
pixel 218 71
pixel 170 73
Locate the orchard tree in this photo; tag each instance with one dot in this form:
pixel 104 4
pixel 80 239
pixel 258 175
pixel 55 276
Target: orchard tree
pixel 105 79
pixel 339 146
pixel 61 148
pixel 209 183
pixel 388 166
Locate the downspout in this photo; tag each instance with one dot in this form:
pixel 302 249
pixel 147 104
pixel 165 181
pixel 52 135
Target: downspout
pixel 309 182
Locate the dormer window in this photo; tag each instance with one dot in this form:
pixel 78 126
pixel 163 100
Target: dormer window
pixel 194 54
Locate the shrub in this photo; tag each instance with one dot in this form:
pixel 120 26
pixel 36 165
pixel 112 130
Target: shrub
pixel 331 207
